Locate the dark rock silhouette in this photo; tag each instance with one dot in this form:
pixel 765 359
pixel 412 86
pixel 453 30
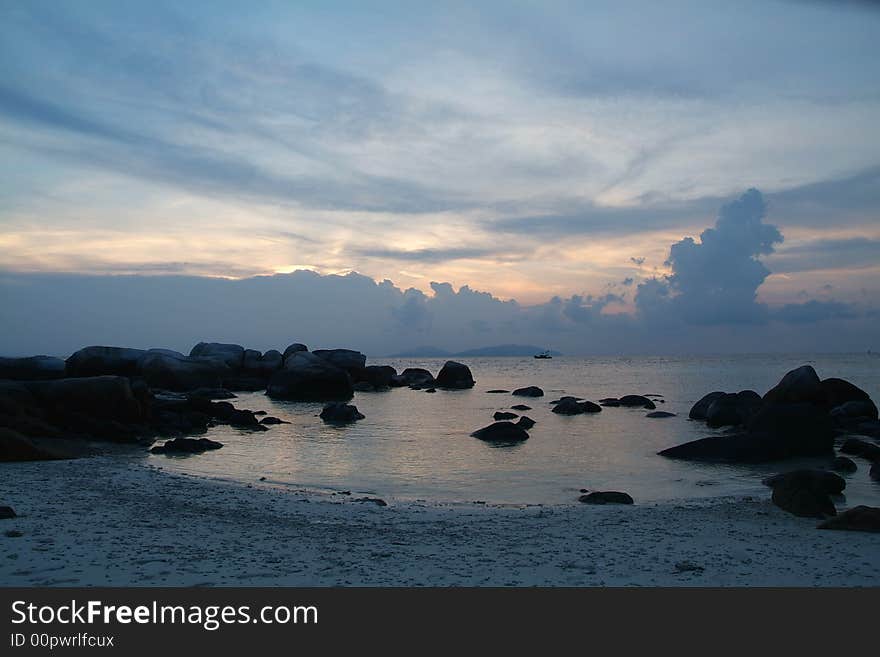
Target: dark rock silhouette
pixel 571 406
pixel 799 385
pixel 414 376
pixel 349 360
pixel 858 519
pixel 100 361
pixel 699 410
pixel 379 376
pixel 525 422
pixel 521 407
pixel 186 446
pixel 636 401
pixel 455 376
pixel 32 368
pixel 16 447
pixel 7 512
pixel 659 414
pixel 843 464
pixel 501 432
pixel 292 349
pixel 606 497
pixel 503 415
pixel 168 372
pixel 498 392
pixel 732 409
pixel 269 419
pixel 232 355
pixel 307 377
pixel 529 391
pixel 340 413
pixel 806 493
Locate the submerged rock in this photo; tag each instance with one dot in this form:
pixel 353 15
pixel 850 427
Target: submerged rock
pixel 636 401
pixel 269 419
pixel 340 413
pixel 501 432
pixel 529 391
pixel 858 519
pixel 843 464
pixel 186 446
pixel 656 414
pixel 570 406
pixel 521 407
pixel 455 375
pixel 503 415
pixel 497 392
pixel 606 497
pixel 7 512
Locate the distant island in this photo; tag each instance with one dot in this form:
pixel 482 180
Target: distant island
pixel 495 350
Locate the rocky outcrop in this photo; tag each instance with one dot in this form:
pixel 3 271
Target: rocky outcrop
pixel 294 348
pixel 606 497
pixel 529 391
pixel 340 413
pixel 503 415
pixel 16 447
pixel 699 410
pixel 455 376
pixel 186 446
pixel 32 368
pixel 378 376
pixel 636 401
pixel 307 377
pixel 232 355
pixel 101 361
pixel 732 409
pixel 800 385
pixel 349 360
pixel 502 432
pixel 168 372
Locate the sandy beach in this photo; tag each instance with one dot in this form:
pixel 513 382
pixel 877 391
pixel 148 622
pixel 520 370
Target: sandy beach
pixel 116 521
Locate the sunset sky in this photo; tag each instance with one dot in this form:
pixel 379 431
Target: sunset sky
pixel 543 152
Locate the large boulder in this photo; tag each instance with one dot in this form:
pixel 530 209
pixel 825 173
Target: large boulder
pixel 108 397
pixel 838 391
pixel 806 493
pixel 606 497
pixel 32 368
pixel 798 385
pixel 230 354
pixel 806 428
pixel 847 412
pixel 858 519
pixel 261 365
pixel 503 432
pixel 160 370
pixel 859 447
pixel 820 481
pixel 455 375
pixel 341 413
pixel 732 409
pixel 15 447
pixel 307 377
pixel 100 361
pixel 349 360
pixel 378 376
pixel 699 410
pixel 636 401
pixel 296 347
pixel 414 376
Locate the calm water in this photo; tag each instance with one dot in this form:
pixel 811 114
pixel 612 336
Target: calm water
pixel 415 445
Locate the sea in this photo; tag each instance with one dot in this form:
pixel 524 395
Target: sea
pixel 416 446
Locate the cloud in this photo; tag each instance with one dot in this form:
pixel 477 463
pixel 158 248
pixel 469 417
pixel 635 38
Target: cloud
pixel 437 255
pixel 827 254
pixel 814 311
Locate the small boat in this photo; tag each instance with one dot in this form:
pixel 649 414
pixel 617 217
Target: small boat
pixel 544 354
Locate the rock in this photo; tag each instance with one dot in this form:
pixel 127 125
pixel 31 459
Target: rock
pixel 699 410
pixel 838 391
pixel 654 414
pixel 212 393
pixel 868 428
pixel 862 408
pixel 732 409
pixel 306 376
pixel 100 361
pixel 874 472
pixel 501 432
pixel 32 368
pixel 843 464
pixel 181 374
pixel 636 401
pixel 345 359
pixel 859 447
pixel 431 390
pixel 820 481
pixel 379 376
pixel 296 347
pixel 262 365
pixel 798 385
pixel 186 446
pixel 503 415
pixel 529 391
pixel 806 493
pixel 7 512
pixel 570 406
pixel 232 355
pixel 610 403
pixel 414 376
pixel 606 497
pixel 16 447
pixel 269 419
pixel 858 519
pixel 340 413
pixel 521 407
pixel 525 422
pixel 687 566
pixel 804 428
pixel 363 386
pixel 455 375
pixel 105 397
pixel 497 392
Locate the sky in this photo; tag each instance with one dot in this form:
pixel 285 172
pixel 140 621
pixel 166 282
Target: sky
pixel 603 177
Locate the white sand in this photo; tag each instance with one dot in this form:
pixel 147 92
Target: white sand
pixel 115 521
